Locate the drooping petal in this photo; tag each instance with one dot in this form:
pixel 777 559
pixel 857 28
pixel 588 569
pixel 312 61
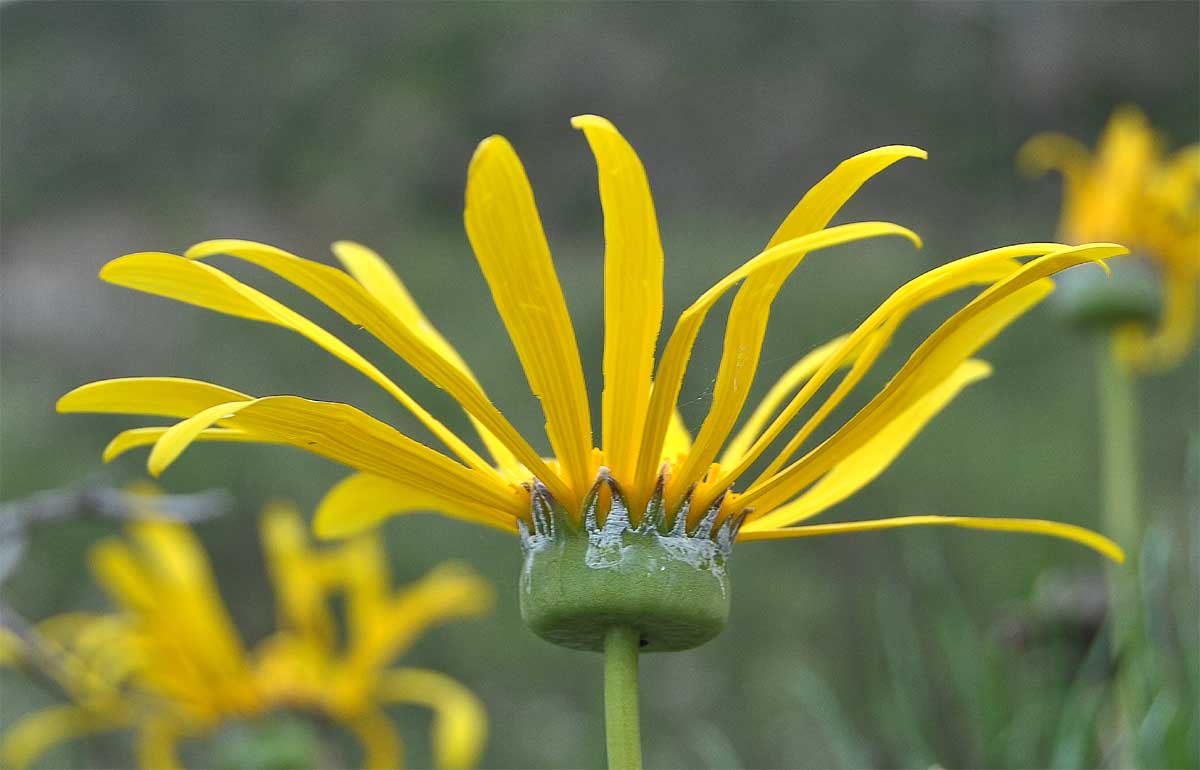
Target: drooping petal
pixel 633 291
pixel 196 283
pixel 157 744
pixel 506 234
pixel 751 309
pixel 32 735
pixel 381 744
pixel 459 719
pixel 345 296
pixel 155 396
pixel 369 269
pixel 669 377
pixel 865 464
pixel 341 433
pixel 361 501
pixel 952 343
pixel 140 437
pixel 1080 535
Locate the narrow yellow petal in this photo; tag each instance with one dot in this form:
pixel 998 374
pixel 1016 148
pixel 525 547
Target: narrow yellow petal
pixel 369 269
pixel 196 283
pixel 140 437
pixel 948 346
pixel 300 600
pixel 459 719
pixel 506 234
pixel 32 735
pixel 873 457
pixel 381 744
pixel 361 501
pixel 669 377
pixel 156 396
pixel 633 291
pixel 1170 342
pixel 679 440
pixel 341 433
pixel 751 309
pixel 796 375
pixel 348 298
pixel 1080 535
pixel 157 744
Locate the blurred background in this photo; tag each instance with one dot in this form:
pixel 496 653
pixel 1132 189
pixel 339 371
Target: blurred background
pixel 150 126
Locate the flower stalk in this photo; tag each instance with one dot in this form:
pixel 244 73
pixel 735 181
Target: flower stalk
pixel 622 729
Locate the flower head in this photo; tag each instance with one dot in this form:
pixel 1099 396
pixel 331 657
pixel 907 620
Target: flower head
pixel 1131 191
pixel 170 664
pixel 646 465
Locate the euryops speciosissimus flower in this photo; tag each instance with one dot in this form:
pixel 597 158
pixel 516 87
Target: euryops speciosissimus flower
pixel 169 664
pixel 646 457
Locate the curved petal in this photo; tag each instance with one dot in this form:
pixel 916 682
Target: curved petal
pixel 459 719
pixel 751 309
pixel 157 744
pixel 941 353
pixel 140 437
pixel 633 291
pixel 32 735
pixel 348 298
pixel 381 744
pixel 341 433
pixel 669 377
pixel 196 283
pixel 369 269
pixel 1080 535
pixel 506 235
pixel 359 502
pixel 155 396
pixel 869 460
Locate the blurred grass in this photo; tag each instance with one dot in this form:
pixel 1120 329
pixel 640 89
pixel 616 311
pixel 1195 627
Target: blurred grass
pixel 150 126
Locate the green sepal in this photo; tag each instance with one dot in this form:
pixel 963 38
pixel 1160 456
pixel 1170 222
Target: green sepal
pixel 582 577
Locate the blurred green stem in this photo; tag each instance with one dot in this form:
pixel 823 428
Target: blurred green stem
pixel 1119 472
pixel 621 699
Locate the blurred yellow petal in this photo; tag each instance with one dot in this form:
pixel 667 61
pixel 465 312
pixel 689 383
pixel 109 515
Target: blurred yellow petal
pixel 369 269
pixel 381 744
pixel 341 433
pixel 751 309
pixel 633 290
pixel 1080 535
pixel 940 354
pixel 196 283
pixel 866 463
pixel 506 234
pixel 299 599
pixel 459 719
pixel 1165 346
pixel 348 298
pixel 361 501
pixel 157 745
pixel 32 735
pixel 156 396
pixel 669 377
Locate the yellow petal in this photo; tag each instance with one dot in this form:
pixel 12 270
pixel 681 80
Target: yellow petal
pixel 361 501
pixel 1170 342
pixel 679 440
pixel 196 283
pixel 867 341
pixel 341 433
pixel 796 375
pixel 32 735
pixel 158 396
pixel 940 354
pixel 669 377
pixel 747 324
pixel 1034 526
pixel 140 437
pixel 369 269
pixel 506 235
pixel 459 719
pixel 633 296
pixel 865 464
pixel 157 744
pixel 381 745
pixel 348 298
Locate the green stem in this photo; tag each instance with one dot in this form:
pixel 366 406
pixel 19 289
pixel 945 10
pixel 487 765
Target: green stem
pixel 1119 472
pixel 621 698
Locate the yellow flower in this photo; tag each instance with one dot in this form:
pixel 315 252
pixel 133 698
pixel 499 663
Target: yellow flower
pixel 644 451
pixel 170 664
pixel 1129 190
